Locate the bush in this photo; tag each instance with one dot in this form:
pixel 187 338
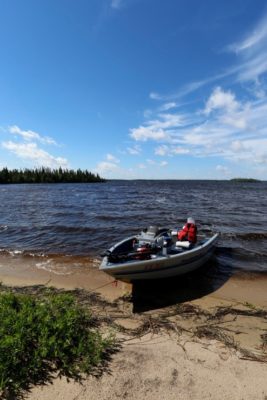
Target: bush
pixel 39 337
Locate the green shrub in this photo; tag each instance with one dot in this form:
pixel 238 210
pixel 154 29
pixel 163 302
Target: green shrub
pixel 39 337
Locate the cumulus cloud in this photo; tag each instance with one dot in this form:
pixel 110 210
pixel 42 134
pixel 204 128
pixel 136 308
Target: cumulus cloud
pixel 108 166
pixel 231 112
pixel 144 133
pixel 30 135
pixel 26 146
pixel 158 129
pixel 228 127
pixel 220 99
pixel 31 151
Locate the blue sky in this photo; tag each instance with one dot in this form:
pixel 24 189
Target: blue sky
pixel 172 89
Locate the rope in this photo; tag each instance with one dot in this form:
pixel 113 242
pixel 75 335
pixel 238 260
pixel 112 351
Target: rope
pixel 115 283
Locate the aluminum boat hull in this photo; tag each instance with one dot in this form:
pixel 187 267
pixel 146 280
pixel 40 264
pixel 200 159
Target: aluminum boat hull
pixel 161 266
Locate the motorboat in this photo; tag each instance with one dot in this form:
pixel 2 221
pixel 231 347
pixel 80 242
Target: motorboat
pixel 155 253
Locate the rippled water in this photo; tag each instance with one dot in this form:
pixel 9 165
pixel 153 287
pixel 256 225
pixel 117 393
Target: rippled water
pixel 84 219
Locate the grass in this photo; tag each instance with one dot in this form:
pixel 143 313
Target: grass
pixel 41 337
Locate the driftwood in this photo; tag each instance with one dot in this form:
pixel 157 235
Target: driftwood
pixel 205 324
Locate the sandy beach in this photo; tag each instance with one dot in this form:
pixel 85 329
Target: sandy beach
pixel 175 344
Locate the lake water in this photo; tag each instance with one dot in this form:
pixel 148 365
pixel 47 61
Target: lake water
pixel 82 220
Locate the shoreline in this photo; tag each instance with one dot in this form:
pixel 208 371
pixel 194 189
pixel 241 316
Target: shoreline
pixel 69 273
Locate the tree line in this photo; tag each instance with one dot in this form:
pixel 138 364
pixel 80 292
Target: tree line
pixel 47 175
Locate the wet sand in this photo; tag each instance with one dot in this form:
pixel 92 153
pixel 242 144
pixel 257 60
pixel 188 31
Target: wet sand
pixel 64 272
pixel 76 272
pixel 202 356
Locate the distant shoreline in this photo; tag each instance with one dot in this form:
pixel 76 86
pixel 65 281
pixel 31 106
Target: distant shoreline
pixel 245 180
pixel 48 175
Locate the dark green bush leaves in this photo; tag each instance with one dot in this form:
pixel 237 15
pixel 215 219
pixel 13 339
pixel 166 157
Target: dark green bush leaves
pixel 39 337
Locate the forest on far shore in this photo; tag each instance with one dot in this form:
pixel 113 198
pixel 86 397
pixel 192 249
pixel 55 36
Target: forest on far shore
pixel 48 175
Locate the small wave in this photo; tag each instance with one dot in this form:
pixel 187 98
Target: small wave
pixel 110 217
pixel 11 252
pixel 55 269
pixel 72 229
pixel 160 200
pixel 245 236
pixel 3 228
pixel 241 253
pixel 241 259
pixel 16 252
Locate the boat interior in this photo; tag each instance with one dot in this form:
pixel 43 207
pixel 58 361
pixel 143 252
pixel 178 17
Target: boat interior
pixel 152 242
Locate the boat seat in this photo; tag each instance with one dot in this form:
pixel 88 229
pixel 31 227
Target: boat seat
pixel 184 245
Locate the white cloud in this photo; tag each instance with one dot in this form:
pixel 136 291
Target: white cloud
pixel 134 150
pixel 163 163
pixel 158 129
pixel 153 163
pixel 30 151
pixel 251 65
pixel 258 90
pixel 165 150
pixel 220 99
pixel 253 39
pixel 155 96
pixel 179 150
pixel 168 106
pixel 235 121
pixel 252 53
pixel 169 121
pixel 162 150
pixel 106 167
pixel 230 111
pixel 144 133
pixel 109 166
pixel 30 135
pixel 112 158
pixel 192 87
pixel 229 128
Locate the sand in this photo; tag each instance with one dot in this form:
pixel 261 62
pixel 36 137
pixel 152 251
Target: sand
pixel 172 350
pixel 156 368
